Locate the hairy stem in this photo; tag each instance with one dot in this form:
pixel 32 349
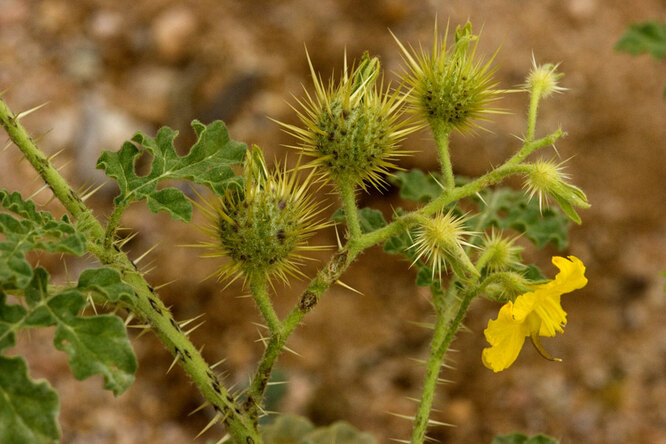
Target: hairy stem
pixel 112 225
pixel 445 331
pixel 535 96
pixel 261 298
pixel 442 133
pixel 326 277
pixel 146 304
pixel 349 205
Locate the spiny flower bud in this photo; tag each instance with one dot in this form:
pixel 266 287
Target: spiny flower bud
pixel 546 178
pixel 499 254
pixel 264 225
pixel 450 87
pixel 505 286
pixel 440 240
pixel 542 80
pixel 352 128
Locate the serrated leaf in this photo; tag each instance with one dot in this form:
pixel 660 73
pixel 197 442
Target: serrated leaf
pixel 106 281
pixel 507 208
pixel 339 433
pixel 31 230
pixel 519 438
pixel 646 37
pixel 287 429
pixel 368 218
pixel 417 186
pixel 208 163
pixel 28 409
pixel 95 344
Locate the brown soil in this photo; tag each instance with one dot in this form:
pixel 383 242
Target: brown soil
pixel 110 68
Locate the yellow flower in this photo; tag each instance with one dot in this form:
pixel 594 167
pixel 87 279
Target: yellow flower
pixel 533 314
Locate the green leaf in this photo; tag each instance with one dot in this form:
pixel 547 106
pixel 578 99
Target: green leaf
pixel 209 163
pixel 416 186
pixel 31 230
pixel 28 409
pixel 106 281
pixel 646 37
pixel 369 219
pixel 339 433
pixel 10 315
pixel 519 438
pixel 287 429
pixel 424 277
pixel 506 208
pixel 96 344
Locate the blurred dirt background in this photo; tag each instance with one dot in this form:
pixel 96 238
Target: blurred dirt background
pixel 109 68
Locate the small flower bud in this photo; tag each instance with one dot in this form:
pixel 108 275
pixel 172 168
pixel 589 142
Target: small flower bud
pixel 499 254
pixel 546 178
pixel 440 240
pixel 505 286
pixel 542 80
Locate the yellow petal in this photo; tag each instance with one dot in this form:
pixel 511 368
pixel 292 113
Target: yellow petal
pixel 524 305
pixel 571 276
pixel 506 337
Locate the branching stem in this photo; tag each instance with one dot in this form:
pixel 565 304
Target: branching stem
pixel 146 303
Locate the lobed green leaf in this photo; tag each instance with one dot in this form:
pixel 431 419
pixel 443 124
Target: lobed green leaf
pixel 96 344
pixel 416 186
pixel 519 438
pixel 646 37
pixel 506 208
pixel 28 409
pixel 293 429
pixel 28 229
pixel 209 163
pixel 368 218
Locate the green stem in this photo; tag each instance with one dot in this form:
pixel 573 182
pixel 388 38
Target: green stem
pixel 146 303
pixel 346 190
pixel 326 277
pixel 112 225
pixel 535 96
pixel 442 133
pixel 260 294
pixel 445 331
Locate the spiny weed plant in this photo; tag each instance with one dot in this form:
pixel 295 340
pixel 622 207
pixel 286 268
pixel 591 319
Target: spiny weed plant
pixel 261 220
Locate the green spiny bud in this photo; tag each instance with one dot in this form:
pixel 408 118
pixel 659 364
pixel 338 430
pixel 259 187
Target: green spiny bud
pixel 499 253
pixel 440 240
pixel 352 127
pixel 542 80
pixel 450 87
pixel 505 286
pixel 264 225
pixel 547 178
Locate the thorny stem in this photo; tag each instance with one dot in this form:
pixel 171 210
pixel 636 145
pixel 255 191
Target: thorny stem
pixel 146 304
pixel 112 224
pixel 326 277
pixel 349 205
pixel 445 331
pixel 260 294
